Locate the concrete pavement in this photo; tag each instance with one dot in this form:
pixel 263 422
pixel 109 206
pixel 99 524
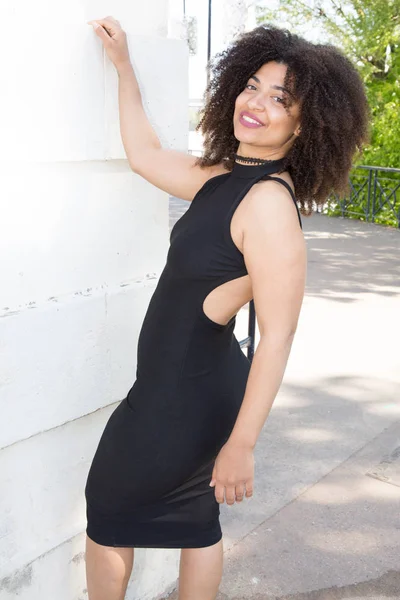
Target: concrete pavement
pixel 324 522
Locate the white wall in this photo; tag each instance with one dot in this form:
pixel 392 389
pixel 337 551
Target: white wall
pixel 82 242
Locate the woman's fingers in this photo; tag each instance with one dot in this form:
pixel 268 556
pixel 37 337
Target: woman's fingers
pixel 101 32
pixel 230 494
pixel 114 40
pixel 233 493
pixel 219 493
pixel 109 24
pixel 239 492
pixel 249 489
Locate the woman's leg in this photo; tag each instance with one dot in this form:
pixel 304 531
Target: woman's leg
pixel 108 570
pixel 200 572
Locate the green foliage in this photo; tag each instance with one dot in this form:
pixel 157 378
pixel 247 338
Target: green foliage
pixel 368 31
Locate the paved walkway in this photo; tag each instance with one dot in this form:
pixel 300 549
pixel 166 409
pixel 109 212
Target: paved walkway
pixel 324 523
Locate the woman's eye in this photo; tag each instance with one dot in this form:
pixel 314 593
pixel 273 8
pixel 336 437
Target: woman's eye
pixel 250 85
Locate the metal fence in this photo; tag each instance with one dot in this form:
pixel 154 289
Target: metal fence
pixel 248 342
pixel 374 197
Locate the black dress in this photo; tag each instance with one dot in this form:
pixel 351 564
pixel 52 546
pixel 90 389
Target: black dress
pixel 148 484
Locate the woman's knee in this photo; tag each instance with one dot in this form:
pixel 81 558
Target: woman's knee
pixel 108 569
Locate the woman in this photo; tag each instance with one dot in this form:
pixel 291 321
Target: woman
pixel 182 441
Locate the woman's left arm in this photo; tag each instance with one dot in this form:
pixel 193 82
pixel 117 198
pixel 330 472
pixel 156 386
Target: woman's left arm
pixel 275 254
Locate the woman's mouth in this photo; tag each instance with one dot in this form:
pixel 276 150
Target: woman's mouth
pixel 247 121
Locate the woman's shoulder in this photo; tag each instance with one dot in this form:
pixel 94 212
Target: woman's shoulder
pixel 285 176
pixel 279 190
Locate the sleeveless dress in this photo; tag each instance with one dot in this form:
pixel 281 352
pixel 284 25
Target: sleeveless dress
pixel 148 484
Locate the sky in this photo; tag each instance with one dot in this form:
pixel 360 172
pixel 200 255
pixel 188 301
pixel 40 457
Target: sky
pixel 199 9
pixel 197 63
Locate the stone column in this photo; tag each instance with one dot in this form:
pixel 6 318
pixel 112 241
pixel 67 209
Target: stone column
pixel 82 243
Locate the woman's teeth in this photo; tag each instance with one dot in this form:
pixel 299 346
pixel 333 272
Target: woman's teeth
pixel 249 120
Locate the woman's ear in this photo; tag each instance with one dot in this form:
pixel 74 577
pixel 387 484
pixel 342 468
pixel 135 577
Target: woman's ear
pixel 297 131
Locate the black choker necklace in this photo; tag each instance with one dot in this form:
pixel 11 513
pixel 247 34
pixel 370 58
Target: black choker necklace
pixel 255 161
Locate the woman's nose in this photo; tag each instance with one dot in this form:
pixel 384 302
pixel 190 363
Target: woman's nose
pixel 256 102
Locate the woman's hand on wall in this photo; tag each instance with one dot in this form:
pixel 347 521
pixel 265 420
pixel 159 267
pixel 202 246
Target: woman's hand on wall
pixel 113 37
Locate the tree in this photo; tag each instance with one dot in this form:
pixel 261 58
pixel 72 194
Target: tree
pixel 368 31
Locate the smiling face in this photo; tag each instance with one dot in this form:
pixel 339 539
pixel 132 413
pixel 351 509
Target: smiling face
pixel 265 100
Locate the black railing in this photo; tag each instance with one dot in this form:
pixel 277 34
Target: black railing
pixel 374 197
pixel 248 342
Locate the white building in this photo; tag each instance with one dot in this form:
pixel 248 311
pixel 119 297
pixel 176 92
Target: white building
pixel 83 240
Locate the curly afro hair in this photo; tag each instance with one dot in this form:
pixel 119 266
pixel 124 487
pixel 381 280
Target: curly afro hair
pixel 334 112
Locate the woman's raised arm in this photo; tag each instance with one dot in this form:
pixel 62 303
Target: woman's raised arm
pixel 170 170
